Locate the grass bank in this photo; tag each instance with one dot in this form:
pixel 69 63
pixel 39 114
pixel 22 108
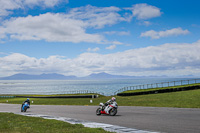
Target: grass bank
pixel 182 99
pixel 162 88
pixel 12 123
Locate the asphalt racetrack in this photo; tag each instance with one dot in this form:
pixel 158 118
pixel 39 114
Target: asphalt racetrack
pixel 169 120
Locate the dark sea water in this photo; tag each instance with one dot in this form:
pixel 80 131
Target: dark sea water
pixel 106 87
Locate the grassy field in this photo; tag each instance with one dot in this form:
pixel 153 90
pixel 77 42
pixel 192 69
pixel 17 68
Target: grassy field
pixel 153 89
pixel 182 99
pixel 12 123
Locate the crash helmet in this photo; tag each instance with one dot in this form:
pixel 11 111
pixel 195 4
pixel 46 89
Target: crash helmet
pixel 113 99
pixel 27 99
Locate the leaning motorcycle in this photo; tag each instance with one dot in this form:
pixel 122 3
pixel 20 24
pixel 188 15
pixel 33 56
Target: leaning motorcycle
pixel 24 107
pixel 110 109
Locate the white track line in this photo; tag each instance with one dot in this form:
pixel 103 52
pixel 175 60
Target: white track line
pixel 107 127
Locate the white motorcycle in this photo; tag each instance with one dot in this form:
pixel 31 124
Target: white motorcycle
pixel 110 109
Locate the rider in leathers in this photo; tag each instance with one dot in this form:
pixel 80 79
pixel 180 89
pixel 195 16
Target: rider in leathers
pixel 113 99
pixel 28 101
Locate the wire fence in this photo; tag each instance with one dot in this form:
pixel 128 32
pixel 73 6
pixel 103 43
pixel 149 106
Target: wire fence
pixel 159 85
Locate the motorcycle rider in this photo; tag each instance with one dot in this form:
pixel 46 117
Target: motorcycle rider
pixel 28 101
pixel 106 107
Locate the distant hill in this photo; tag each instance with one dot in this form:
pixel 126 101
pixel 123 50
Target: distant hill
pixel 104 75
pixel 55 76
pixel 37 77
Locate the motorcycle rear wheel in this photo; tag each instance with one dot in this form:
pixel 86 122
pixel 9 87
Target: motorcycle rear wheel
pixel 98 111
pixel 113 112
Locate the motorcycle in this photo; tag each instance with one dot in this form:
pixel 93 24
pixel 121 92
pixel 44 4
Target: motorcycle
pixel 25 106
pixel 110 109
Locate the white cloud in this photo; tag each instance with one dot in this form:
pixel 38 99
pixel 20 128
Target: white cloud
pixel 144 11
pixel 8 6
pixel 68 27
pixel 97 17
pixel 111 47
pixel 167 59
pixel 121 33
pixel 172 32
pixel 49 27
pixel 117 43
pixel 146 23
pixel 45 3
pixel 93 49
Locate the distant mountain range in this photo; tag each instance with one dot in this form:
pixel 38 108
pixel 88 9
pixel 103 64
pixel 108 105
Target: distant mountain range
pixel 55 76
pixel 103 75
pixel 21 76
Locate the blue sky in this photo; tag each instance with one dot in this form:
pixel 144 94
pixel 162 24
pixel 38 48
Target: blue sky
pixel 124 37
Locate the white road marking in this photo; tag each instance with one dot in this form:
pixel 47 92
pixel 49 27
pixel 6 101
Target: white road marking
pixel 107 127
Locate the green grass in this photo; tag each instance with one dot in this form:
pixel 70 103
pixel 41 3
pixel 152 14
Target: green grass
pixel 12 123
pixel 56 101
pixel 182 99
pixel 153 89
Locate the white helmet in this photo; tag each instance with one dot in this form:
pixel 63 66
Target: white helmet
pixel 113 99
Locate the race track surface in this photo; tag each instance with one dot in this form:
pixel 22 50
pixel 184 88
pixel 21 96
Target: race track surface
pixel 169 120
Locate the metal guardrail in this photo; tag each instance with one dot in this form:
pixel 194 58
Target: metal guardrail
pixel 83 92
pixel 7 96
pixel 159 85
pixel 68 92
pixel 72 96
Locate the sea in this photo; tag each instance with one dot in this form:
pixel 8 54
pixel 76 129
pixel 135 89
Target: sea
pixel 105 87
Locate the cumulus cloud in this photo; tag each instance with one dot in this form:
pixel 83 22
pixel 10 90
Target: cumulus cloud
pixel 144 11
pixel 65 27
pixel 71 26
pixel 158 34
pixel 93 49
pixel 45 3
pixel 7 6
pixel 111 47
pixel 120 33
pixel 167 59
pixel 97 17
pixel 49 27
pixel 146 23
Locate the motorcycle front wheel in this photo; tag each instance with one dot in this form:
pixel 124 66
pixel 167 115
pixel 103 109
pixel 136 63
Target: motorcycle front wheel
pixel 25 108
pixel 113 112
pixel 98 111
